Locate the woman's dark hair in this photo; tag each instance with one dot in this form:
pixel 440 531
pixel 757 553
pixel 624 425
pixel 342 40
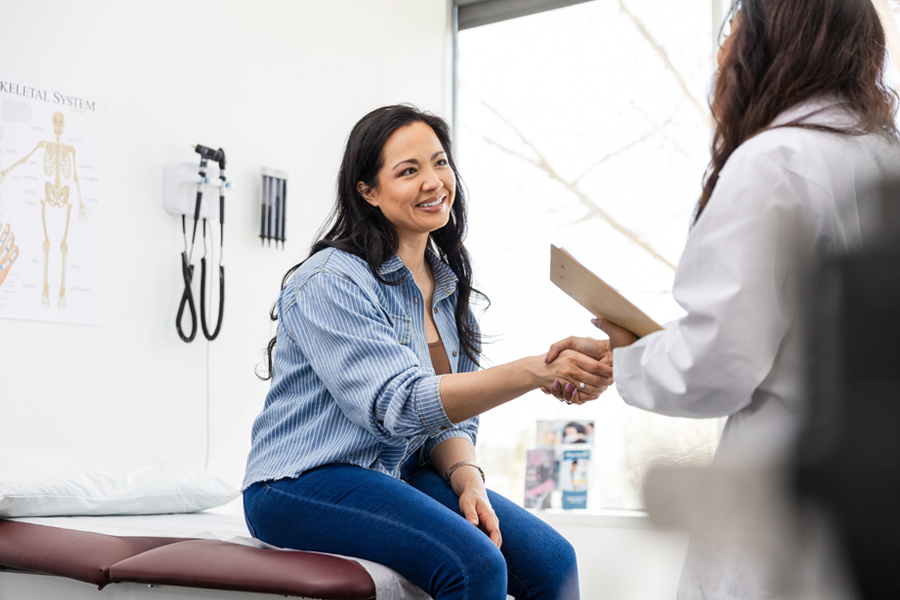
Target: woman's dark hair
pixel 783 52
pixel 357 227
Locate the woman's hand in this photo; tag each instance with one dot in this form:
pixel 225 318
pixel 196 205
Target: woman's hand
pixel 599 350
pixel 475 505
pixel 579 375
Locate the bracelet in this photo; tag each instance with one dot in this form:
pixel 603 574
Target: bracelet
pixel 463 463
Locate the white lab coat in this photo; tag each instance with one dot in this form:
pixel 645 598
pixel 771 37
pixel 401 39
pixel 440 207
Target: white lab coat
pixel 783 196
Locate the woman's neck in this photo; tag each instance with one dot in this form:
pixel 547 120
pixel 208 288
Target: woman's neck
pixel 412 253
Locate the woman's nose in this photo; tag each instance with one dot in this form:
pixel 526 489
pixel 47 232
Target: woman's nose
pixel 432 181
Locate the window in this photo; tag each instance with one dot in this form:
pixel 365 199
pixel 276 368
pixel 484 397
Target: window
pixel 585 127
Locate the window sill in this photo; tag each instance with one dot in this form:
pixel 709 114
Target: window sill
pixel 601 518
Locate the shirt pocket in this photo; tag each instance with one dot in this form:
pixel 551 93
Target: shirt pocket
pixel 402 328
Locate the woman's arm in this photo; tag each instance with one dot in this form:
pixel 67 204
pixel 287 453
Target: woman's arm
pixel 379 383
pixel 467 484
pixel 468 394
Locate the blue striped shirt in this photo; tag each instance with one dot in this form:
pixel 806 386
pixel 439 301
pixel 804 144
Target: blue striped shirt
pixel 353 381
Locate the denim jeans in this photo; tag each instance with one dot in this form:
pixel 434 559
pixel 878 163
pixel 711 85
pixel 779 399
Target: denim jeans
pixel 414 527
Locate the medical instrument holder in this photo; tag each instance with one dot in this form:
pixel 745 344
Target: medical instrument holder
pixel 273 206
pixel 185 192
pixel 180 181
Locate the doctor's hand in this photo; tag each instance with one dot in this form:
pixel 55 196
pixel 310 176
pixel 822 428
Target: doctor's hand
pixel 618 336
pixel 474 503
pixel 574 376
pixel 597 351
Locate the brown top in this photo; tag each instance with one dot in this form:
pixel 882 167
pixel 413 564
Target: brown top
pixel 439 358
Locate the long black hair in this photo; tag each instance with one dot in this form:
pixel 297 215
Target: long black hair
pixel 357 227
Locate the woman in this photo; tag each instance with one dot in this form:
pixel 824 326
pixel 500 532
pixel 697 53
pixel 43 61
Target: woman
pixel 804 123
pixel 366 444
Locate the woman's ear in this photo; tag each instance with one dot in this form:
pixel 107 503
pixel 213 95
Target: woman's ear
pixel 367 193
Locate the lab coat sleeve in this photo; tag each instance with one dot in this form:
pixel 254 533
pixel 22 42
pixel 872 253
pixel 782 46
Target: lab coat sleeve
pixel 733 281
pixel 351 345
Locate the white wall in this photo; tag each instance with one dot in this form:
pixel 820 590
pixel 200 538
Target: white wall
pixel 274 82
pixel 286 82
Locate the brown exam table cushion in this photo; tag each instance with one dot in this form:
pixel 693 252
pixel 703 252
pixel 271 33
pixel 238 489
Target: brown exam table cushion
pixel 211 564
pixel 79 555
pixel 225 566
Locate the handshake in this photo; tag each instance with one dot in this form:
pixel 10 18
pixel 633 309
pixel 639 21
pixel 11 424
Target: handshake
pixel 582 368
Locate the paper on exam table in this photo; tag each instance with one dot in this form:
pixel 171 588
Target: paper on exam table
pixel 596 295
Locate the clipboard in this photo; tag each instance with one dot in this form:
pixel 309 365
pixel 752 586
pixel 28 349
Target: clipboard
pixel 596 295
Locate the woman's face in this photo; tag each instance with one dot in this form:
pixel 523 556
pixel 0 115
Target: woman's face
pixel 416 186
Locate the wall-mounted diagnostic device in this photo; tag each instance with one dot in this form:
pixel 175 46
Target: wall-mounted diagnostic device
pixel 273 206
pixel 190 190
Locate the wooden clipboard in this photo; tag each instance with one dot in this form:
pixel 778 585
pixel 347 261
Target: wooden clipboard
pixel 596 295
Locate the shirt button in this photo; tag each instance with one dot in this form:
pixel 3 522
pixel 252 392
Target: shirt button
pixel 454 353
pixel 443 428
pixel 435 309
pixel 416 300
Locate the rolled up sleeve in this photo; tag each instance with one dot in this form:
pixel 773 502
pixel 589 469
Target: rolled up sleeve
pixel 351 345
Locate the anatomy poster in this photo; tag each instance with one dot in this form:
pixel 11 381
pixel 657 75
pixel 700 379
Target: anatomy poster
pixel 51 165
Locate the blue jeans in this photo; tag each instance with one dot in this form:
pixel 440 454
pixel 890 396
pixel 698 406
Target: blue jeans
pixel 415 528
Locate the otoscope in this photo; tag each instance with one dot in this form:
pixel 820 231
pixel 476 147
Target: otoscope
pixel 187 298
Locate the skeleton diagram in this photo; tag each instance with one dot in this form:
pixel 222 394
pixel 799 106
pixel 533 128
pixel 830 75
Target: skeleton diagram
pixel 9 252
pixel 59 162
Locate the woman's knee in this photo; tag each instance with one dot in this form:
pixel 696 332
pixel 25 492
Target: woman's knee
pixel 486 566
pixel 562 569
pixel 477 570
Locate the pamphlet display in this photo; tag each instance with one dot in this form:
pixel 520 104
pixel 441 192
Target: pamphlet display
pixel 557 472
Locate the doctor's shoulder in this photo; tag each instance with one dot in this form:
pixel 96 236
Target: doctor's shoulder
pixel 788 153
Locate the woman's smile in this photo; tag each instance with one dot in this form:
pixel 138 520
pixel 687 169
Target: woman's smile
pixel 433 204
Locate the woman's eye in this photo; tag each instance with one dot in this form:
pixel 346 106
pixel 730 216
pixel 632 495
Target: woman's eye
pixel 442 162
pixel 408 171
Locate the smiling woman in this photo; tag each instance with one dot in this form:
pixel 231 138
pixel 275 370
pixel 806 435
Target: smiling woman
pixel 366 443
pixel 417 192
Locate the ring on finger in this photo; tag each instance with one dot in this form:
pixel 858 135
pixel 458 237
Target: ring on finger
pixel 581 386
pixel 568 402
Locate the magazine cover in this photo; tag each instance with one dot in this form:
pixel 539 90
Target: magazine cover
pixel 557 433
pixel 540 479
pixel 554 439
pixel 574 477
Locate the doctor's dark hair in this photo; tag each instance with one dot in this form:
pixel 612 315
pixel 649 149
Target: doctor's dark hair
pixel 783 52
pixel 357 227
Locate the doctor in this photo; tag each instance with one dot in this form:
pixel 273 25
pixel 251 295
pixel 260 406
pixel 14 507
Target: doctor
pixel 804 124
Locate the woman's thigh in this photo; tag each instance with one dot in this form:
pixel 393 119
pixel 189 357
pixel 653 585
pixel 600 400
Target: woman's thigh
pixel 541 563
pixel 353 511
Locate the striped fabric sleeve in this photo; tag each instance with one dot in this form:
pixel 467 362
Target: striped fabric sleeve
pixel 351 345
pixel 466 429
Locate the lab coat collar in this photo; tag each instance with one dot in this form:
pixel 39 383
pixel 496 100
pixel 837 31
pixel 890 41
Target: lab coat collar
pixel 831 111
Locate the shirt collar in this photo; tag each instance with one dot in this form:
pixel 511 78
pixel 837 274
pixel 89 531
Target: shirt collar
pixel 444 278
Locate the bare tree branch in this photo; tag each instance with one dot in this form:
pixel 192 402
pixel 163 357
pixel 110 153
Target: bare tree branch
pixel 665 57
pixel 612 154
pixel 593 209
pixel 661 130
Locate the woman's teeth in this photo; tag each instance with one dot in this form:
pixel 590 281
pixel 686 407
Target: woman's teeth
pixel 430 204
